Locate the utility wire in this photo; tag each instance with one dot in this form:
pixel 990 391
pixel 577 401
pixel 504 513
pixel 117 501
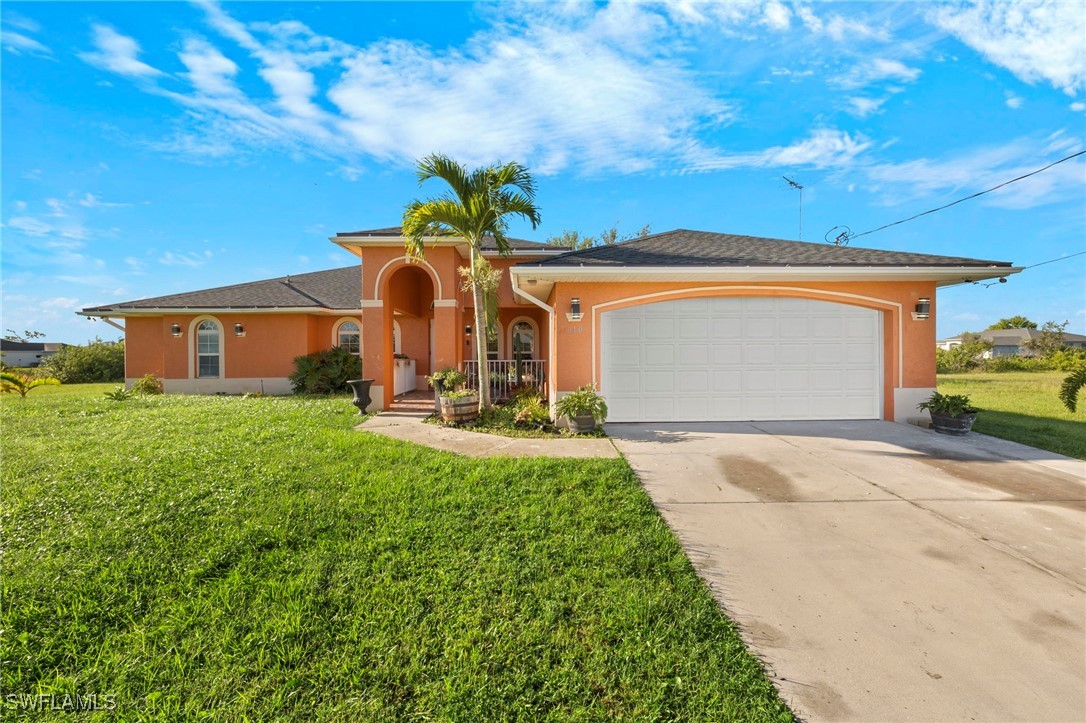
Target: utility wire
pixel 1031 266
pixel 849 236
pixel 1052 261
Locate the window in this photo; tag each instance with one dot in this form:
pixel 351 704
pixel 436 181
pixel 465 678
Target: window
pixel 208 350
pixel 522 336
pixel 493 353
pixel 349 337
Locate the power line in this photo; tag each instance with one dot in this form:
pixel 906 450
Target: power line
pixel 847 235
pixel 1003 279
pixel 1052 261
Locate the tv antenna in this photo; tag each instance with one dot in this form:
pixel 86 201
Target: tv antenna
pixel 799 188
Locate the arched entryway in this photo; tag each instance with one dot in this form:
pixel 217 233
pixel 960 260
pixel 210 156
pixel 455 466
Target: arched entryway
pixel 408 318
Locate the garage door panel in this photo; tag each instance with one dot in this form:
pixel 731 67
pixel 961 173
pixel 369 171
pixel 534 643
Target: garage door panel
pixel 659 355
pixel 756 358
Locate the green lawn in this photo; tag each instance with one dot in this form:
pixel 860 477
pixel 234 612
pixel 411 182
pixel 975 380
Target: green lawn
pixel 1023 407
pixel 255 558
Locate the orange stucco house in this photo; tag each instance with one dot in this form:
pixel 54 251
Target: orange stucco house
pixel 676 326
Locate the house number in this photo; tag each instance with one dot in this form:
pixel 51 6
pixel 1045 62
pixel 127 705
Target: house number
pixel 574 329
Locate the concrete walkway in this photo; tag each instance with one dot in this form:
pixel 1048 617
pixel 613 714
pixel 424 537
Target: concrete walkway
pixel 409 426
pixel 884 572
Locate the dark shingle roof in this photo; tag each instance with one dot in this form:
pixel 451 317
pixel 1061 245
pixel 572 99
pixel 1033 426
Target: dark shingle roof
pixel 333 289
pixel 702 248
pixel 488 242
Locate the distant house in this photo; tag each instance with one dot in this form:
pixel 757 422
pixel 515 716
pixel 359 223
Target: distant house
pixel 1011 342
pixel 948 343
pixel 26 353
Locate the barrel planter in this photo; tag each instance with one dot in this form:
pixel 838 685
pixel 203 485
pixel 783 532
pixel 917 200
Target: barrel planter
pixel 958 426
pixel 460 410
pixel 361 390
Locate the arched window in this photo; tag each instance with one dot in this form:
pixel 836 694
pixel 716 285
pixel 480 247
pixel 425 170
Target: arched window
pixel 522 336
pixel 397 338
pixel 208 350
pixel 349 337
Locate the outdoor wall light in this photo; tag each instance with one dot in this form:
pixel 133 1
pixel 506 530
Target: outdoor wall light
pixel 175 329
pixel 574 313
pixel 239 330
pixel 922 309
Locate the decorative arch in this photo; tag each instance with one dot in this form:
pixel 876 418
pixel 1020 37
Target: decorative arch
pixel 193 341
pixel 511 329
pixel 338 327
pixel 406 260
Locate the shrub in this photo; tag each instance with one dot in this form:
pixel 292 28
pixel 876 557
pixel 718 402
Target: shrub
pixel 1015 363
pixel 325 372
pixel 951 405
pixel 1067 359
pixel 147 384
pixel 119 394
pixel 529 409
pixel 99 361
pixel 448 378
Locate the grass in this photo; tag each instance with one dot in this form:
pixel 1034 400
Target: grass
pixel 256 559
pixel 1023 407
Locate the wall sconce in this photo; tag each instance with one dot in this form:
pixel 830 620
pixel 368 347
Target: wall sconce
pixel 574 313
pixel 922 309
pixel 467 334
pixel 239 330
pixel 175 329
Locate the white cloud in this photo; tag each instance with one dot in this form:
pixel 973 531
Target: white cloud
pixel 91 201
pixel 19 205
pixel 17 44
pixel 823 148
pixel 1078 106
pixel 118 54
pixel 985 167
pixel 57 208
pixel 134 264
pixel 190 259
pixel 30 226
pixel 1037 41
pixel 209 71
pixel 1013 101
pixel 876 70
pixel 863 107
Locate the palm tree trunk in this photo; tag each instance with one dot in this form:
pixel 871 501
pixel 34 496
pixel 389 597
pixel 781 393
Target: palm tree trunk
pixel 480 335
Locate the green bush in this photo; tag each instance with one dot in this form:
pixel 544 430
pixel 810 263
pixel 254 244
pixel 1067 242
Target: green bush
pixel 97 362
pixel 1067 359
pixel 1015 363
pixel 325 372
pixel 147 384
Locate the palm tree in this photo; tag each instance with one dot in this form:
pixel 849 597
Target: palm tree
pixel 479 205
pixel 1071 386
pixel 22 383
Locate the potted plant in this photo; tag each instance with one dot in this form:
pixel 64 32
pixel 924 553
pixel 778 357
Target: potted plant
pixel 459 406
pixel 584 408
pixel 950 413
pixel 449 379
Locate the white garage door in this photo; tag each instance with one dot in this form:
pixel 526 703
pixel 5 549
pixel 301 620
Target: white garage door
pixel 738 359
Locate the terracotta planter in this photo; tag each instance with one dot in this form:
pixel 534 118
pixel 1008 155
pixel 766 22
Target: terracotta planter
pixel 361 390
pixel 958 426
pixel 582 424
pixel 464 409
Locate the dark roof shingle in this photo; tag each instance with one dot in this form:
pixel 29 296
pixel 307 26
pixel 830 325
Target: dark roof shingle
pixel 333 289
pixel 682 247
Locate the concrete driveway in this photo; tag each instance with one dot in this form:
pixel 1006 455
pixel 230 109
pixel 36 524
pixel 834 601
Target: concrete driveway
pixel 881 571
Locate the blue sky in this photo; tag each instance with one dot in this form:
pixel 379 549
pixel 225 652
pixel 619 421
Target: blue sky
pixel 150 148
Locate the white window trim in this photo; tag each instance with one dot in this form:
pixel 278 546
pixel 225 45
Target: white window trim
pixel 535 334
pixel 347 320
pixel 193 363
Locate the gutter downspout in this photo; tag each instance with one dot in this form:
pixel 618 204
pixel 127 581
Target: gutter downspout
pixel 551 386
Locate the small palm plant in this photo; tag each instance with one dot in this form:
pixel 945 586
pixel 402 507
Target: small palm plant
pixel 22 383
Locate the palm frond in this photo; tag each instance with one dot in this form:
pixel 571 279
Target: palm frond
pixel 1071 386
pixel 438 165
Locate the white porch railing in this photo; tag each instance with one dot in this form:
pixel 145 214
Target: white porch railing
pixel 507 375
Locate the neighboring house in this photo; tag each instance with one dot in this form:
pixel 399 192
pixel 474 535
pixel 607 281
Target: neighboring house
pixel 949 343
pixel 682 325
pixel 1011 342
pixel 26 353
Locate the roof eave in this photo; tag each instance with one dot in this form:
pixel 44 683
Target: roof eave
pixel 943 276
pixel 180 310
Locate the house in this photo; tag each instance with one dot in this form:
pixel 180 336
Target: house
pixel 948 343
pixel 1011 342
pixel 26 353
pixel 682 325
